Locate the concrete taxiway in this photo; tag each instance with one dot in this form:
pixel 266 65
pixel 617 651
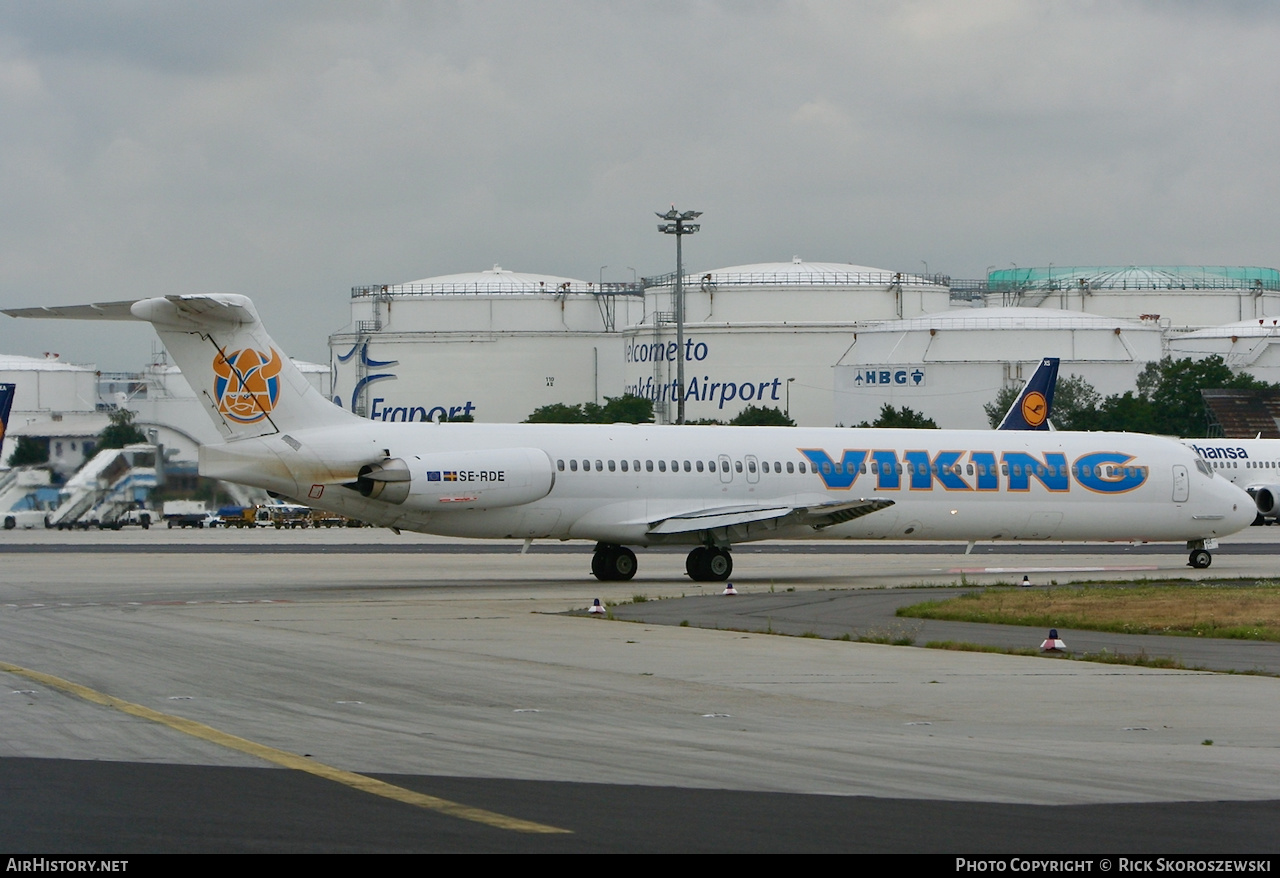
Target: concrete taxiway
pixel 456 673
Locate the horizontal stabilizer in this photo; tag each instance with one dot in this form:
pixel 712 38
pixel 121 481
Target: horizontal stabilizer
pixel 245 384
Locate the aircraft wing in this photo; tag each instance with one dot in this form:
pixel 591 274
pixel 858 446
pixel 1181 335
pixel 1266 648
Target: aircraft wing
pixel 816 515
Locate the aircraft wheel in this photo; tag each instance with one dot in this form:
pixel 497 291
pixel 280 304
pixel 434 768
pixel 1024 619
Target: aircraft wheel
pixel 1200 559
pixel 719 565
pixel 622 563
pixel 709 564
pixel 694 562
pixel 613 563
pixel 603 563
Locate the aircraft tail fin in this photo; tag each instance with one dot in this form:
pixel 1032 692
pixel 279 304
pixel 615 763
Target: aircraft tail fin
pixel 1031 410
pixel 247 386
pixel 6 405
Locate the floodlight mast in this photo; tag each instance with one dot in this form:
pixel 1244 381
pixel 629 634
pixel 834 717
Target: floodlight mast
pixel 679 224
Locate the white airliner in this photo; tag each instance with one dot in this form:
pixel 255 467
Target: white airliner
pixel 1252 464
pixel 705 487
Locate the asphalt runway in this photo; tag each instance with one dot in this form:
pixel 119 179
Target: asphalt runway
pixel 358 691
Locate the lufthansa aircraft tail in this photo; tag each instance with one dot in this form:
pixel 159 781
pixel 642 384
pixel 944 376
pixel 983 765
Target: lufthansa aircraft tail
pixel 247 385
pixel 6 404
pixel 1030 411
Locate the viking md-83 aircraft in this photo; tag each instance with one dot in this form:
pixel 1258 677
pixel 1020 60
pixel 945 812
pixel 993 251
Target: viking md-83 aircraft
pixel 643 485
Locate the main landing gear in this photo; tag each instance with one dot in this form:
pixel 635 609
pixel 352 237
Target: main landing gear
pixel 613 563
pixel 709 564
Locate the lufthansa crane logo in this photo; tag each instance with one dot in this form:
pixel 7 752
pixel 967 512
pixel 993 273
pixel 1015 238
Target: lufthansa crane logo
pixel 1034 408
pixel 247 384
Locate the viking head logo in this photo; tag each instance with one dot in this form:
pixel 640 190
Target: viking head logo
pixel 247 384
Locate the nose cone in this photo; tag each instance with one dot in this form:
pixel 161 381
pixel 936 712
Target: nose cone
pixel 1236 504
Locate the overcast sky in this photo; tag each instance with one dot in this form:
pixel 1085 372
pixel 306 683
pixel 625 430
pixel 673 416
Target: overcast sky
pixel 289 151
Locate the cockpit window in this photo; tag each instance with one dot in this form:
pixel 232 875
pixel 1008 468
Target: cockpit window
pixel 1204 467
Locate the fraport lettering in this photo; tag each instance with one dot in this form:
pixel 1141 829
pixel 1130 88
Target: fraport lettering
pixel 380 412
pixel 1106 472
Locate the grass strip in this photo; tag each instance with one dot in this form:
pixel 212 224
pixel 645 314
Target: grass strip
pixel 1232 611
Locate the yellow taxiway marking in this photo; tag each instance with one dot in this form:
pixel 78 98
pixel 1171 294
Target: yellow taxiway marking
pixel 285 758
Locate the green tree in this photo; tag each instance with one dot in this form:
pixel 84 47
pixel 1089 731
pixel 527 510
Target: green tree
pixel 29 452
pixel 1172 388
pixel 998 407
pixel 557 413
pixel 1075 404
pixel 761 416
pixel 1128 413
pixel 903 417
pixel 121 431
pixel 625 409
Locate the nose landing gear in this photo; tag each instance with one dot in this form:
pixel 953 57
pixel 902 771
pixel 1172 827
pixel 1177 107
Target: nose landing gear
pixel 1200 557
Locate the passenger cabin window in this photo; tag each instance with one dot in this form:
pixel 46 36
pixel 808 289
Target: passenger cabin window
pixel 573 466
pixel 611 468
pixel 662 466
pixel 560 465
pixel 791 467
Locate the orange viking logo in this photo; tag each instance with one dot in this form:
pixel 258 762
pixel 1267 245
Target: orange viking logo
pixel 247 385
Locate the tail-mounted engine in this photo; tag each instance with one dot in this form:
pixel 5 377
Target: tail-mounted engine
pixel 388 481
pixel 456 480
